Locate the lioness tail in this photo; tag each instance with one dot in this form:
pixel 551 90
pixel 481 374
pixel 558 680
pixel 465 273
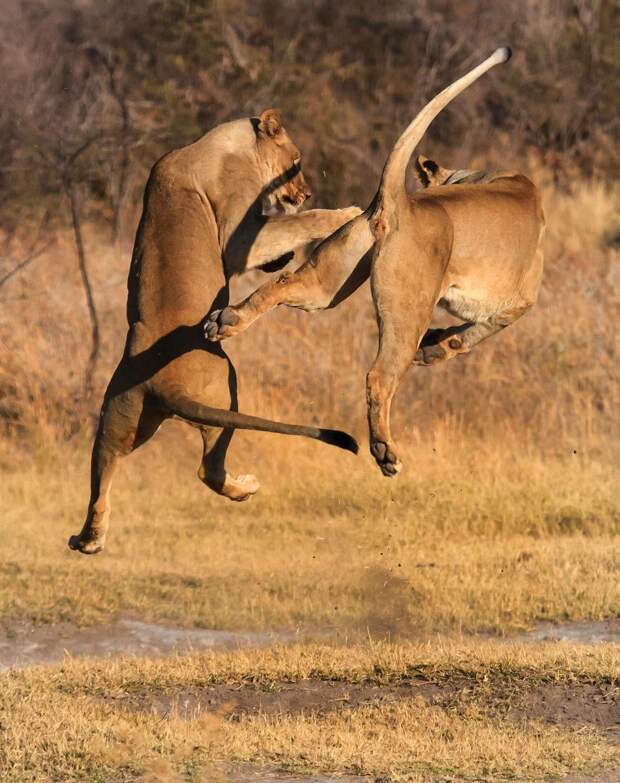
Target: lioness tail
pixel 197 413
pixel 393 177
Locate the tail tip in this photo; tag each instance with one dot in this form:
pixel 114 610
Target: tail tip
pixel 340 439
pixel 504 53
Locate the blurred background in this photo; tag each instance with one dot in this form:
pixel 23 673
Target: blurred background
pixel 93 93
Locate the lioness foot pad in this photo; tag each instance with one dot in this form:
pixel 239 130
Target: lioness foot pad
pixel 217 325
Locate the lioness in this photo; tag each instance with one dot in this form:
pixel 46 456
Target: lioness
pixel 476 249
pixel 203 221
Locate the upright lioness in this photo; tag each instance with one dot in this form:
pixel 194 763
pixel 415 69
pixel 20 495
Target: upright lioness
pixel 203 221
pixel 474 248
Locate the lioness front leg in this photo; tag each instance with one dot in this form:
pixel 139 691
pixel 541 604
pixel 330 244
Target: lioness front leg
pixel 274 236
pixel 297 289
pixel 335 270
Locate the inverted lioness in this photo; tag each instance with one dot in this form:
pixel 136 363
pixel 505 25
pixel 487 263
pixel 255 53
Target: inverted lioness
pixel 474 248
pixel 203 221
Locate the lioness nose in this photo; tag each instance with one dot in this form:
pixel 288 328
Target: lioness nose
pixel 307 193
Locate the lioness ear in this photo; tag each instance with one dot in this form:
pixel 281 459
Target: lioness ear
pixel 425 166
pixel 270 122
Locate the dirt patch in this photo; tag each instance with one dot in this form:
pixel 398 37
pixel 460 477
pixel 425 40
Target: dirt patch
pixel 310 696
pixel 250 776
pixel 612 776
pixel 572 705
pixel 585 632
pixel 25 645
pixel 563 704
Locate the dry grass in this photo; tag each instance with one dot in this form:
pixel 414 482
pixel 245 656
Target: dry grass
pixel 406 740
pixel 467 540
pixel 410 740
pixel 378 662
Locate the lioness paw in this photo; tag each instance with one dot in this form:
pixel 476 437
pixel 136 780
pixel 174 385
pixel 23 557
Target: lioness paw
pixel 434 352
pixel 219 323
pixel 240 488
pixel 429 354
pixel 386 458
pixel 87 546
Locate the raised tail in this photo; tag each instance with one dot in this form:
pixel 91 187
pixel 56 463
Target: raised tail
pixel 393 177
pixel 197 413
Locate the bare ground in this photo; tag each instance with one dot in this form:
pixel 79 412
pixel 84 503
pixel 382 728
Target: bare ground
pixel 250 776
pixel 24 644
pixel 573 704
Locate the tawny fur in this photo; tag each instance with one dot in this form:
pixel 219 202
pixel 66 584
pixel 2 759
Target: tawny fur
pixel 203 221
pixel 474 247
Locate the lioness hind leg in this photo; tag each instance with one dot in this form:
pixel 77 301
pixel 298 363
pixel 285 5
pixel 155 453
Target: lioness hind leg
pixel 408 269
pixel 401 327
pixel 212 471
pixel 125 423
pixel 439 345
pixel 397 347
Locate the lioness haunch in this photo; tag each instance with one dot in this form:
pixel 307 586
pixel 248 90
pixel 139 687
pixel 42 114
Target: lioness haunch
pixel 203 221
pixel 475 249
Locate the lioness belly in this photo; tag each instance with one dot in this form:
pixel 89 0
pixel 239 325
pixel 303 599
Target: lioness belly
pixel 474 305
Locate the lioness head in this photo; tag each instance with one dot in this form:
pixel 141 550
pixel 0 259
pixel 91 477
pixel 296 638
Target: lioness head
pixel 286 188
pixel 430 173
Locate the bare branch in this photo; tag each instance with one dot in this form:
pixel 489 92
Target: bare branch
pixel 24 263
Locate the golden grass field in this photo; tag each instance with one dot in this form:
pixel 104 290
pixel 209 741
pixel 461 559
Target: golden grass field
pixel 328 550
pixel 92 720
pixel 463 542
pixel 405 598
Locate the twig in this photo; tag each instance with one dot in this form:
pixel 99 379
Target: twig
pixel 24 263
